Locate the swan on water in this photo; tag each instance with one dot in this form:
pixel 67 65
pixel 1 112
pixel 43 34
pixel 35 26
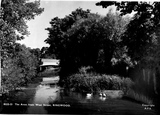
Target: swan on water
pixel 102 98
pixel 102 94
pixel 89 95
pixel 40 85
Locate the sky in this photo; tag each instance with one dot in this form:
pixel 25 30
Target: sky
pixel 53 9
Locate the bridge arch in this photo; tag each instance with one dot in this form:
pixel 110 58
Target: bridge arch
pixel 47 63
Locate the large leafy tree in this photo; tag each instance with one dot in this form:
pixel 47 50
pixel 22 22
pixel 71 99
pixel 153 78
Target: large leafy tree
pixel 89 40
pixel 13 17
pixel 96 40
pixel 141 38
pixel 57 38
pixel 59 27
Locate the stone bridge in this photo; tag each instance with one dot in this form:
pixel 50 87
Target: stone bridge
pixel 47 63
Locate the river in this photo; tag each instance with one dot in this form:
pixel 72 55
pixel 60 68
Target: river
pixel 52 99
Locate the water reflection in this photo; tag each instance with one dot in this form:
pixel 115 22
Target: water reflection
pixel 45 94
pixel 79 103
pixel 102 98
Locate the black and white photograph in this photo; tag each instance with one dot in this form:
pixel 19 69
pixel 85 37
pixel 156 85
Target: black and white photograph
pixel 79 57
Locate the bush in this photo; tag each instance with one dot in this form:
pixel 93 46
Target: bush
pixel 127 84
pixel 91 82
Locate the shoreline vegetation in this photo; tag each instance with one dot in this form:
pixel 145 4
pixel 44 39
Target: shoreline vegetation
pixel 91 82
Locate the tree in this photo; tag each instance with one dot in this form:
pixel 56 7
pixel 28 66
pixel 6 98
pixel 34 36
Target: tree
pixel 94 41
pixel 59 27
pixel 45 53
pixel 13 17
pixel 90 40
pixel 57 37
pixel 141 35
pixel 21 68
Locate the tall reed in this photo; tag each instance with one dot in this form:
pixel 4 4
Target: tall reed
pixel 139 97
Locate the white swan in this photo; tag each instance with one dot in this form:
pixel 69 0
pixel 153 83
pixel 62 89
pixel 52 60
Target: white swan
pixel 102 94
pixel 40 85
pixel 89 95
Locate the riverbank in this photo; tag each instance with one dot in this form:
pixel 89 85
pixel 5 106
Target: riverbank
pixel 29 89
pixel 62 101
pixel 57 101
pixel 107 85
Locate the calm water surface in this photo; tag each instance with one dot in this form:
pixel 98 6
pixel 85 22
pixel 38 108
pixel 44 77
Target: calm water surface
pixel 55 100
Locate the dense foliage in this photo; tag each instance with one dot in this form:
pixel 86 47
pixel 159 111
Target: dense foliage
pixel 85 81
pixel 141 37
pixel 19 69
pixel 16 64
pixel 86 39
pixel 45 53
